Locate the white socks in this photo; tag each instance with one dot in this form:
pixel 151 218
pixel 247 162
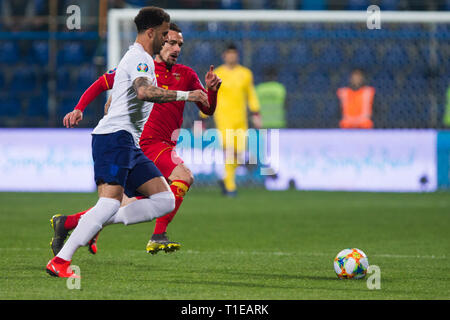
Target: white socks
pixel 88 226
pixel 147 209
pixel 108 211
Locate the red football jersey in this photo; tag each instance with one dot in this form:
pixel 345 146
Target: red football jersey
pixel 165 119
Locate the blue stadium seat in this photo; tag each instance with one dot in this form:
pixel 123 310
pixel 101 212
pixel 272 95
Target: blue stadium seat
pixel 389 5
pixel 38 107
pixel 232 4
pixel 39 53
pixel 358 4
pixel 266 54
pixel 306 108
pixel 186 26
pixel 72 53
pixel 395 57
pixel 204 52
pixel 289 76
pixel 10 107
pixel 24 80
pixel 416 83
pixel 85 78
pixel 9 52
pixel 281 29
pixel 384 82
pixel 66 105
pixel 299 55
pixel 364 56
pixel 63 80
pixel 427 56
pixel 2 82
pixel 316 82
pixel 331 56
pixel 410 110
pixel 313 5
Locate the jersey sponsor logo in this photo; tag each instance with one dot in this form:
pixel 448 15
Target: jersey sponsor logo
pixel 142 67
pixel 177 76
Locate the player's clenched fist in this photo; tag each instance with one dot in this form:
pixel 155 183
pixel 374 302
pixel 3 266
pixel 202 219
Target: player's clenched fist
pixel 198 96
pixel 73 118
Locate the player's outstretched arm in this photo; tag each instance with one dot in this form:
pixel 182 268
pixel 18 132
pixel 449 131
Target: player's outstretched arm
pixel 148 92
pixel 102 84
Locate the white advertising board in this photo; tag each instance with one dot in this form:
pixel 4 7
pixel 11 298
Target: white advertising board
pixel 357 160
pixel 46 160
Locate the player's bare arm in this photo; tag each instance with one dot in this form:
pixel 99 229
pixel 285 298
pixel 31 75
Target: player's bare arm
pixel 148 92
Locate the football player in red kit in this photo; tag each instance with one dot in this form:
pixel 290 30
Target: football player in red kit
pixel 158 139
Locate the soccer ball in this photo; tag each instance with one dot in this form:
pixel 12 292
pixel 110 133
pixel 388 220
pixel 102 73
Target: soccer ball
pixel 351 264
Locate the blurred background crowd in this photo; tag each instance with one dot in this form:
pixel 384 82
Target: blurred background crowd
pixel 45 67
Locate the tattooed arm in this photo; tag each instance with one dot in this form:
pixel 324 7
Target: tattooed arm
pixel 148 92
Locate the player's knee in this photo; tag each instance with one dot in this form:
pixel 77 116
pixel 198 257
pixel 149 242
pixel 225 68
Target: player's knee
pixel 164 202
pixel 189 178
pixel 183 175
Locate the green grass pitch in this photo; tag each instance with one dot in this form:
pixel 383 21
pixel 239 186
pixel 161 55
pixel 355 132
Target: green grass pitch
pixel 261 245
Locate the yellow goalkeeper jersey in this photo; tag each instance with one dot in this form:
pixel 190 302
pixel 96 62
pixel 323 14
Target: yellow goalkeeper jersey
pixel 236 91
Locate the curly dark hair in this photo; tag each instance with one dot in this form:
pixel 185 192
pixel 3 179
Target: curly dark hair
pixel 150 17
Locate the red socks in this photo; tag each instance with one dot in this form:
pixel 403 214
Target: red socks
pixel 72 220
pixel 179 189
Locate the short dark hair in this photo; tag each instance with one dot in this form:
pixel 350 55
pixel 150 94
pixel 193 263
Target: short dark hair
pixel 174 27
pixel 231 46
pixel 150 17
pixel 358 70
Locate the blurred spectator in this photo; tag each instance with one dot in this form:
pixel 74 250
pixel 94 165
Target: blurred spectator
pixel 236 93
pixel 356 103
pixel 272 96
pixel 447 109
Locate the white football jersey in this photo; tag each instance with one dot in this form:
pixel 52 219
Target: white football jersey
pixel 126 111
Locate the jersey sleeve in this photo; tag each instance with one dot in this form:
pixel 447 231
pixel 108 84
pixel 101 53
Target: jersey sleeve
pixel 253 102
pixel 141 66
pixel 108 77
pixel 194 81
pixel 103 83
pixel 195 84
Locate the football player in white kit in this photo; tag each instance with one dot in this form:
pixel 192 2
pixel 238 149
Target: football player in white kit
pixel 120 166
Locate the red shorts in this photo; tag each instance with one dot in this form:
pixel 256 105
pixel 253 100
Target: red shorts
pixel 163 155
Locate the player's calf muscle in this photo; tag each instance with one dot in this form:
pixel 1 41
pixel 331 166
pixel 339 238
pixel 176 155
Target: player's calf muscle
pixel 181 172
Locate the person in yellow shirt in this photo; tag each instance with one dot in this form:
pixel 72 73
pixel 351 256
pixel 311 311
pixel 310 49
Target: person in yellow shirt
pixel 231 118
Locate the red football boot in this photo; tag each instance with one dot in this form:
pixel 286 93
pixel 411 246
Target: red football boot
pixel 92 245
pixel 57 269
